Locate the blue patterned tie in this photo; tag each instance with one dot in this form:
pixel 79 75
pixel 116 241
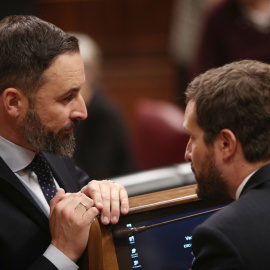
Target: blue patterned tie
pixel 45 178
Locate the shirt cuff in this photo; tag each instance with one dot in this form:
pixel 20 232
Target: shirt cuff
pixel 59 259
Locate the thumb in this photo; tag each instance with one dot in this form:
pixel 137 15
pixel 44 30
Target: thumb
pixel 57 198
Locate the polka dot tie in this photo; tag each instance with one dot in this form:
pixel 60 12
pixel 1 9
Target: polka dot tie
pixel 45 178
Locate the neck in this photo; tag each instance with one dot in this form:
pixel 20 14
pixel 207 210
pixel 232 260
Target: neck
pixel 240 172
pixel 13 137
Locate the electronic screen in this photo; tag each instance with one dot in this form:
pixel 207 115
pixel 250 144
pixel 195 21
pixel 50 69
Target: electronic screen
pixel 165 247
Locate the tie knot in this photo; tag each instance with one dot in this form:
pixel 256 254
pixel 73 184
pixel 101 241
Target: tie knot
pixel 39 164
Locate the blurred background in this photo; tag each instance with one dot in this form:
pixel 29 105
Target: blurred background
pixel 148 52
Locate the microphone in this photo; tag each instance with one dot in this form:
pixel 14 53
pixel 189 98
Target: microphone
pixel 130 231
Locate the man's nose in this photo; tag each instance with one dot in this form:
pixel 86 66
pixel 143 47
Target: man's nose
pixel 80 111
pixel 188 152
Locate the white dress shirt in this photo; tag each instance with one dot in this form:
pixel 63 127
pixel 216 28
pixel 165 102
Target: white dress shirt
pixel 241 186
pixel 18 158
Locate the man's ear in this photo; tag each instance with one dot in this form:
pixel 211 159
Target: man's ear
pixel 227 143
pixel 12 101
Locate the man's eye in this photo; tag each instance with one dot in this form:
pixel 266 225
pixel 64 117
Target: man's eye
pixel 68 98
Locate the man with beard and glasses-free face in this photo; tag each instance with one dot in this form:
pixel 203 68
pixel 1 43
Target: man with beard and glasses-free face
pixel 41 74
pixel 228 120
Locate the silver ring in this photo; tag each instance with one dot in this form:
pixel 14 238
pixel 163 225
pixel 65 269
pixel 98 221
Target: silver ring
pixel 93 220
pixel 84 205
pixel 111 181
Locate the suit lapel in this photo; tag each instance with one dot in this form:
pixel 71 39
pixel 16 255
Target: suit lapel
pixel 12 187
pixel 62 173
pixel 258 178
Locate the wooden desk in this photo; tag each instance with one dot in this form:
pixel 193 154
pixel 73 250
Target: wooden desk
pixel 101 249
pixel 105 253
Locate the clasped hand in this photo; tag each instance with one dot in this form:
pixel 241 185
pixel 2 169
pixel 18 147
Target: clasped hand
pixel 71 214
pixel 110 198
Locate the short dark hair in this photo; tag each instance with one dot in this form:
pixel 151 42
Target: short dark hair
pixel 235 96
pixel 28 46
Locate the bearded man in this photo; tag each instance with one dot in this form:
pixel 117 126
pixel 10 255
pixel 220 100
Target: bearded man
pixel 47 203
pixel 228 120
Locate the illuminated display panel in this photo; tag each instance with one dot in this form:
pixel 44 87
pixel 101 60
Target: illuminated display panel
pixel 166 247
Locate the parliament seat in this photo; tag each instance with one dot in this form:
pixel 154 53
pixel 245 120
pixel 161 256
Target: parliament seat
pixel 159 137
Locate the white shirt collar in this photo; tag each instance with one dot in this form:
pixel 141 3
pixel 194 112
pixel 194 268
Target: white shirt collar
pixel 15 156
pixel 241 186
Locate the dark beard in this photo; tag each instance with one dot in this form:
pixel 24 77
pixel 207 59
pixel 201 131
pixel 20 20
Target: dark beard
pixel 211 185
pixel 43 138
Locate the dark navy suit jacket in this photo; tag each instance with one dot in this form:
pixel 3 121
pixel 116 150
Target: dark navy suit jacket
pixel 238 237
pixel 24 228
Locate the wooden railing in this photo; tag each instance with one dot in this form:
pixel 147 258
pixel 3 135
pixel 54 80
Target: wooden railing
pixel 101 248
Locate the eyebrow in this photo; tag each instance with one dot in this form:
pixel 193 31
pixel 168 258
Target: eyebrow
pixel 187 130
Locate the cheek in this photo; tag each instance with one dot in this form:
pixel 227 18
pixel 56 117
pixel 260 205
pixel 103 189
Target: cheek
pixel 53 119
pixel 197 153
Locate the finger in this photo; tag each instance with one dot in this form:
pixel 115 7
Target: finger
pixel 91 214
pixel 115 203
pixel 70 224
pixel 110 195
pixel 84 212
pixel 65 195
pixel 124 201
pixel 72 207
pixel 60 193
pixel 84 205
pixel 118 197
pixel 93 190
pixel 67 204
pixel 105 188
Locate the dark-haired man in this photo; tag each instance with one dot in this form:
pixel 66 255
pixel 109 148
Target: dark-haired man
pixel 41 74
pixel 228 120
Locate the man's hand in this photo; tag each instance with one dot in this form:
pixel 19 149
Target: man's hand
pixel 110 198
pixel 70 220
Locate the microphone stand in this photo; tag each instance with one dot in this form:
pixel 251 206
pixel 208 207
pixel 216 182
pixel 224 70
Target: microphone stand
pixel 130 231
